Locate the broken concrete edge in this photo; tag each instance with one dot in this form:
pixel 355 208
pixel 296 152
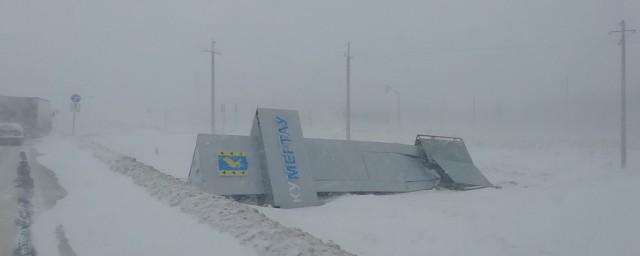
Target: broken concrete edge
pixel 249 226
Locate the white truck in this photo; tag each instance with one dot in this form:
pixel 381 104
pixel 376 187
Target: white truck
pixel 32 113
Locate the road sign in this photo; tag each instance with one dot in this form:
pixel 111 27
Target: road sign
pixel 74 107
pixel 75 98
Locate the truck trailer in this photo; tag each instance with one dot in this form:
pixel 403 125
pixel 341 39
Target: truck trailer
pixel 32 113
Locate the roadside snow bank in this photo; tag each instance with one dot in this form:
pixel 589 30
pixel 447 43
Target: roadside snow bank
pixel 250 227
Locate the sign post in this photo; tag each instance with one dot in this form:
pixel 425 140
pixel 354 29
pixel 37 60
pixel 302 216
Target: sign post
pixel 75 108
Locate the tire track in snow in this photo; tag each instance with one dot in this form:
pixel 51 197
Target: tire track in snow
pixel 24 188
pixel 8 207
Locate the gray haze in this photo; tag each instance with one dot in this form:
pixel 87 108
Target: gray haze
pixel 139 62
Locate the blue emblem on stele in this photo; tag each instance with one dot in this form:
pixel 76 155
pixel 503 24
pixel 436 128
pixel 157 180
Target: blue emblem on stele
pixel 232 163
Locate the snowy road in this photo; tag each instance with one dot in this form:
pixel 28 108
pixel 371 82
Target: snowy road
pixel 47 192
pixel 104 213
pixel 8 165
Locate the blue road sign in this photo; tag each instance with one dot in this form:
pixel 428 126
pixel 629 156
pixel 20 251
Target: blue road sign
pixel 75 98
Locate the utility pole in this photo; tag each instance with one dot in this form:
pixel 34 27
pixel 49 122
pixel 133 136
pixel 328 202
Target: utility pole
pixel 623 92
pixel 223 109
pixel 473 121
pixel 566 93
pixel 165 118
pixel 389 89
pixel 348 116
pixel 213 53
pixel 567 115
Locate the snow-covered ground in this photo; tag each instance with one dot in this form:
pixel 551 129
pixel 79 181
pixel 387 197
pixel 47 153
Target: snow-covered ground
pixel 552 203
pixel 174 150
pixel 105 213
pixel 557 199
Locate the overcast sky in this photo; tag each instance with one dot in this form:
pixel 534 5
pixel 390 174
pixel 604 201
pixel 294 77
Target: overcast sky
pixel 132 59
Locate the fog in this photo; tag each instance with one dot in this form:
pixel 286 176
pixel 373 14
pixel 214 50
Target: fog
pixel 536 69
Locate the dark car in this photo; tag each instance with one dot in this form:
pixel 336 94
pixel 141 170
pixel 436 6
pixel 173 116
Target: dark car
pixel 11 134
